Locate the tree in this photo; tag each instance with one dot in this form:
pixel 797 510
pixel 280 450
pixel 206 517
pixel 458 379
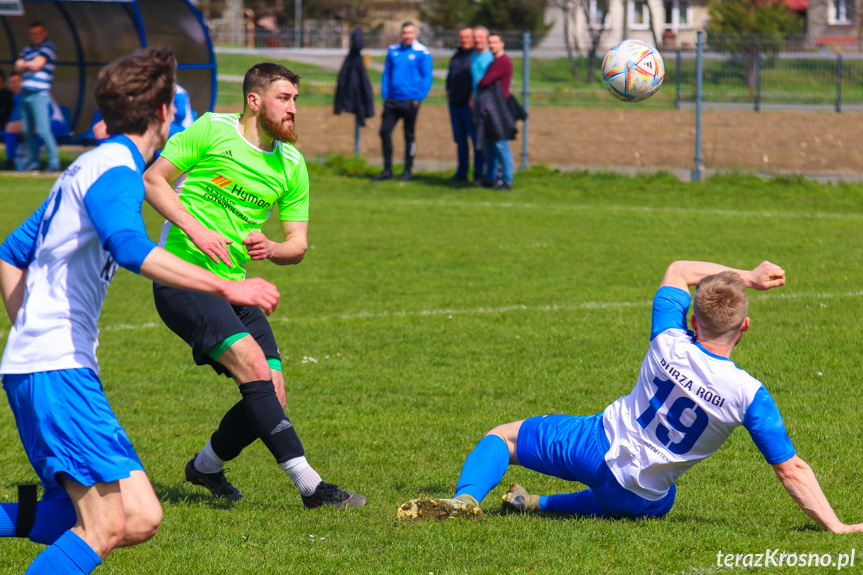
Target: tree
pixel 568 8
pixel 499 15
pixel 447 15
pixel 352 13
pixel 513 15
pixel 595 27
pixel 749 28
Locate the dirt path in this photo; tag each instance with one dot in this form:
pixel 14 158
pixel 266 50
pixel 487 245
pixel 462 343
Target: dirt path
pixel 798 142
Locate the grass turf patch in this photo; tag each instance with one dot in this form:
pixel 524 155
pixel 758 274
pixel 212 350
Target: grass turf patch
pixel 424 314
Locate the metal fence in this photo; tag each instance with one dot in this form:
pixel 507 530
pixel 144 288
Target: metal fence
pixel 787 107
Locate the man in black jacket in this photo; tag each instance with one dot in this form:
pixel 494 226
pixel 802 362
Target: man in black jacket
pixel 458 91
pixel 353 90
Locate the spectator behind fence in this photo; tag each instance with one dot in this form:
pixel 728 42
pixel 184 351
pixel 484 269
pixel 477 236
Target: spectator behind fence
pixel 459 87
pixel 406 82
pixel 353 89
pixel 496 122
pixel 481 58
pixel 36 65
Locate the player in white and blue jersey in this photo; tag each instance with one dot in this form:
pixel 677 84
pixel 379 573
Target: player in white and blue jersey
pixel 688 399
pixel 54 273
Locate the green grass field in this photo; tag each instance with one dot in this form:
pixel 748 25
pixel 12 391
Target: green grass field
pixel 423 315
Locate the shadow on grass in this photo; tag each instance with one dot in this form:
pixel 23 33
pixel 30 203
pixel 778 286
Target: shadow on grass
pixel 686 519
pixel 180 494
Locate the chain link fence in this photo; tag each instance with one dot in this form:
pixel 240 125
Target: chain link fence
pixel 791 105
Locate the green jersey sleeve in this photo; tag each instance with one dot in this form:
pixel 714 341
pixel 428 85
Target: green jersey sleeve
pixel 186 148
pixel 294 205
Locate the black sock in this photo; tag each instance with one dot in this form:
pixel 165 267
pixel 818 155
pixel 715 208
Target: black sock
pixel 235 433
pixel 269 421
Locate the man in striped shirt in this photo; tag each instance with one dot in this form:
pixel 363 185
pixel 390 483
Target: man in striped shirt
pixel 37 66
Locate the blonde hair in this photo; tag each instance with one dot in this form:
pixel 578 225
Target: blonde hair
pixel 720 304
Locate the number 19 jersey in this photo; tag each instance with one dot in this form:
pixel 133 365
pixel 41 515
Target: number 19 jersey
pixel 686 403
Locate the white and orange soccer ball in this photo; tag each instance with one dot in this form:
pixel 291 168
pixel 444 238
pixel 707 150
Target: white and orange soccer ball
pixel 633 71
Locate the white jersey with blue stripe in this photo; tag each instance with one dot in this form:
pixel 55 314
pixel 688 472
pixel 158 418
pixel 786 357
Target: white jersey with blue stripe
pixel 686 403
pixel 70 248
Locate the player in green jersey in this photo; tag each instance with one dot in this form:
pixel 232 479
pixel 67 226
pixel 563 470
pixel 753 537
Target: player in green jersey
pixel 232 170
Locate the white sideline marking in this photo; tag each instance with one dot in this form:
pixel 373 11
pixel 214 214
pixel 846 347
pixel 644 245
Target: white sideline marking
pixel 599 305
pixel 618 208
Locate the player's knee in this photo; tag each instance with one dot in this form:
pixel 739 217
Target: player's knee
pixel 508 432
pixel 109 533
pixel 143 525
pixel 261 370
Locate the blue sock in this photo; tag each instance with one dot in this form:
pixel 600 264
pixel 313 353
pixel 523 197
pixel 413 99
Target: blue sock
pixel 11 141
pixel 483 468
pixel 69 554
pixel 8 517
pixel 581 503
pixel 53 518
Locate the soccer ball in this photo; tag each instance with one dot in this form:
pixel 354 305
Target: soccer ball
pixel 633 71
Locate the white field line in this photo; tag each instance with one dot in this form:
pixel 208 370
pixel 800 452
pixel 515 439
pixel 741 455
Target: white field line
pixel 597 305
pixel 617 208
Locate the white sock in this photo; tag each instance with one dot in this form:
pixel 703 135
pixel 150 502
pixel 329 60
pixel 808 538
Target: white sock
pixel 207 461
pixel 302 474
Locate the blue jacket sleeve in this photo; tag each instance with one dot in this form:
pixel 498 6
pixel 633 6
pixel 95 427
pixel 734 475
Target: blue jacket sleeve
pixel 426 68
pixel 670 305
pixel 764 423
pixel 385 78
pixel 113 204
pixel 20 245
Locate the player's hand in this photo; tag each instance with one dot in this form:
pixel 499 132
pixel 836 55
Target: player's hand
pixel 20 65
pixel 212 243
pixel 258 246
pixel 100 130
pixel 767 275
pixel 855 528
pixel 254 291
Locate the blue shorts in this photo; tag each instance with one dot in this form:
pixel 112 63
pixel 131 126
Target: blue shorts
pixel 573 448
pixel 67 426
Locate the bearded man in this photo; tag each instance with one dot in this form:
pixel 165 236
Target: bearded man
pixel 231 171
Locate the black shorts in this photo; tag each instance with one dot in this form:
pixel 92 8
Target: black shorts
pixel 204 320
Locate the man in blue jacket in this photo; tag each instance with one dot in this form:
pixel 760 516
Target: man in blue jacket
pixel 406 82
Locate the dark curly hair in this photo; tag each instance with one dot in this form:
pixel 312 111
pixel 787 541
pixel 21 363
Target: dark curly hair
pixel 131 89
pixel 260 76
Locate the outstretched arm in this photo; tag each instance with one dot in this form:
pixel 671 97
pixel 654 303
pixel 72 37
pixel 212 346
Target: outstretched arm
pixel 799 481
pixel 164 200
pixel 682 274
pixel 168 269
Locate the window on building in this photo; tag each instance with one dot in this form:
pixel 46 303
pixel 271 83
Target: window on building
pixel 677 14
pixel 639 15
pixel 840 12
pixel 596 16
